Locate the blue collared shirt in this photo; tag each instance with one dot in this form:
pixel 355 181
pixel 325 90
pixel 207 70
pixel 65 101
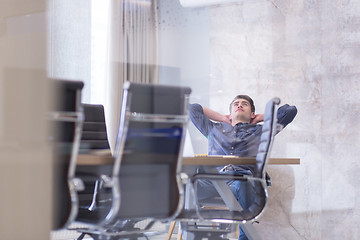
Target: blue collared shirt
pixel 242 140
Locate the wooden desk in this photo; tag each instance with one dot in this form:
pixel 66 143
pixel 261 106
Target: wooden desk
pixel 190 163
pixel 96 159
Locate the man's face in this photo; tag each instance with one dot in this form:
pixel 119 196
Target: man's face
pixel 241 111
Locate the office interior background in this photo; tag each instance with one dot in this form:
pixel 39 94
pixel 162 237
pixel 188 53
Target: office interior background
pixel 305 52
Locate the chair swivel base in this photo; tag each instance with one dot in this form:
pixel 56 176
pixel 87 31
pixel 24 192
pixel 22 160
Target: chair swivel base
pixel 104 237
pixel 198 231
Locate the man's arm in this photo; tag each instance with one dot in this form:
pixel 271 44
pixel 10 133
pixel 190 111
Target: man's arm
pixel 286 114
pixel 215 116
pixel 200 116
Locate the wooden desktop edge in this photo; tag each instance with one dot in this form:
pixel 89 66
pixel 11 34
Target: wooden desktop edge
pixel 93 159
pixel 224 160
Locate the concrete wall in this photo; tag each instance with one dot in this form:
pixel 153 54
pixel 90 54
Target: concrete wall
pixel 69 55
pixel 305 52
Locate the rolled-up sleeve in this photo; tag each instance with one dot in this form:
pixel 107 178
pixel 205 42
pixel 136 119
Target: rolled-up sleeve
pixel 286 114
pixel 197 117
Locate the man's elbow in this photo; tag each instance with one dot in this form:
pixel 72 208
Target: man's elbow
pixel 287 114
pixel 292 112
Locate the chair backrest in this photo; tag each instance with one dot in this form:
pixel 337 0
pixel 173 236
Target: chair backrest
pixel 66 117
pixel 268 132
pixel 94 135
pixel 149 150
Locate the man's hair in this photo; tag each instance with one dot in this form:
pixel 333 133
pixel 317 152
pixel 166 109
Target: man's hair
pixel 246 97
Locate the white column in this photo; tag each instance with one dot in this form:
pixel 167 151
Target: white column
pixel 25 161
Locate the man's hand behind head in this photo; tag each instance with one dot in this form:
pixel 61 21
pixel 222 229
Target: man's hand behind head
pixel 258 118
pixel 226 119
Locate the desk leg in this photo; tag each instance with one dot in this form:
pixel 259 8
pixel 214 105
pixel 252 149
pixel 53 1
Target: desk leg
pixel 231 202
pixel 171 230
pixel 227 195
pixel 189 204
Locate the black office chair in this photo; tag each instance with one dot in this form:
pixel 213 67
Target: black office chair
pixel 146 174
pixel 95 201
pixel 199 221
pixel 66 121
pixel 94 135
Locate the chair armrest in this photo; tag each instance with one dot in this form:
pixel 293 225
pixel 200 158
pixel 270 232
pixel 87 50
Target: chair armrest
pixel 184 178
pixel 78 184
pixel 214 176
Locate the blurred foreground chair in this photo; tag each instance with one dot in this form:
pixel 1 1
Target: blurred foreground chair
pixel 213 219
pixel 66 119
pixel 145 178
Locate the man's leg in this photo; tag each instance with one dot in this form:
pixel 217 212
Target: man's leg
pixel 243 191
pixel 242 235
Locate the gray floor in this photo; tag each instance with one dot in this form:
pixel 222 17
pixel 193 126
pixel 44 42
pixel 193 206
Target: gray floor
pixel 163 228
pixel 70 235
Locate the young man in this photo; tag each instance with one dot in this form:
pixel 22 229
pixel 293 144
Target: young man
pixel 235 134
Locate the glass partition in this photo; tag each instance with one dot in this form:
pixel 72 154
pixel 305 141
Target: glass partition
pixel 304 52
